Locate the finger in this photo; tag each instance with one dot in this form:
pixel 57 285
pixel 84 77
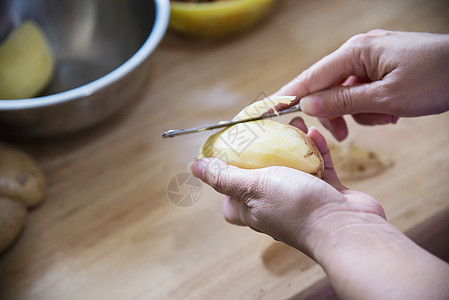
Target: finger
pixel 327 72
pixel 330 176
pixel 229 180
pixel 375 119
pixel 321 144
pixel 341 100
pixel 353 80
pixel 337 126
pixel 299 123
pixel 234 211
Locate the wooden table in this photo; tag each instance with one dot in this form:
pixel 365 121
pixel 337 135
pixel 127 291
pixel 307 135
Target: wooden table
pixel 108 230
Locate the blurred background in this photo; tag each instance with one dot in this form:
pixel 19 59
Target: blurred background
pixel 108 227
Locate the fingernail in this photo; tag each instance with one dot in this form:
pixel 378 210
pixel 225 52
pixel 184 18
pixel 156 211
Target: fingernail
pixel 394 119
pixel 189 166
pixel 312 105
pixel 197 168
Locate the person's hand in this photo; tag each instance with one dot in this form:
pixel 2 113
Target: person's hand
pixel 376 77
pixel 287 204
pixel 344 231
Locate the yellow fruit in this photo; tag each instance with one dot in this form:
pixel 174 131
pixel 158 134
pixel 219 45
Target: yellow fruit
pixel 216 19
pixel 26 62
pixel 264 143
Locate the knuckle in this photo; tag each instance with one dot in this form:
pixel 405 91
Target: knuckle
pixel 359 41
pixel 229 217
pixel 357 38
pixel 243 188
pixel 252 188
pixel 388 100
pixel 364 39
pixel 307 74
pixel 255 187
pixel 397 108
pixel 378 32
pixel 360 47
pixel 344 101
pixel 246 193
pixel 217 179
pixel 305 78
pixel 379 93
pixel 364 43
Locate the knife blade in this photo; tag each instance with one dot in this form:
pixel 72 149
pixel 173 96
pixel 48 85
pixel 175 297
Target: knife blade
pixel 176 132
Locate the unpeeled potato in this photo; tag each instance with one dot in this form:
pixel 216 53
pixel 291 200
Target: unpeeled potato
pixel 12 219
pixel 264 143
pixel 20 177
pixel 22 185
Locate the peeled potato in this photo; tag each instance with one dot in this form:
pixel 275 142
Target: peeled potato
pixel 20 177
pixel 264 143
pixel 26 62
pixel 12 219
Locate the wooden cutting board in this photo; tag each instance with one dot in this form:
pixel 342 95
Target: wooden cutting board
pixel 108 229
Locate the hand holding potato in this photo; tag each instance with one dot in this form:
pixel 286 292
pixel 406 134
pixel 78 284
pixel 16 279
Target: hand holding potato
pixel 279 200
pixel 376 77
pixel 274 197
pixel 345 231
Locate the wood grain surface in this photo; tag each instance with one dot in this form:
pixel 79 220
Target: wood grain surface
pixel 107 229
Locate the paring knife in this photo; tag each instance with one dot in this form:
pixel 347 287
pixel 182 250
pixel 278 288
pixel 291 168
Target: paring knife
pixel 176 132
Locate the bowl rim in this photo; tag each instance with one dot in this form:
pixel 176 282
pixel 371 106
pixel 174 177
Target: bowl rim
pixel 162 15
pixel 216 5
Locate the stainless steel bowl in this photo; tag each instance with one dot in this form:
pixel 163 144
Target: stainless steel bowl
pixel 101 48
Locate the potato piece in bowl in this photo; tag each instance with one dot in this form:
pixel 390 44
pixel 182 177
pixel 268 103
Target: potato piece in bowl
pixel 26 62
pixel 264 143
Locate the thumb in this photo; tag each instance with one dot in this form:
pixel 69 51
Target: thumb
pixel 342 100
pixel 228 180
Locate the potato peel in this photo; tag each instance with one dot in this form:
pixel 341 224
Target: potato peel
pixel 263 106
pixel 353 163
